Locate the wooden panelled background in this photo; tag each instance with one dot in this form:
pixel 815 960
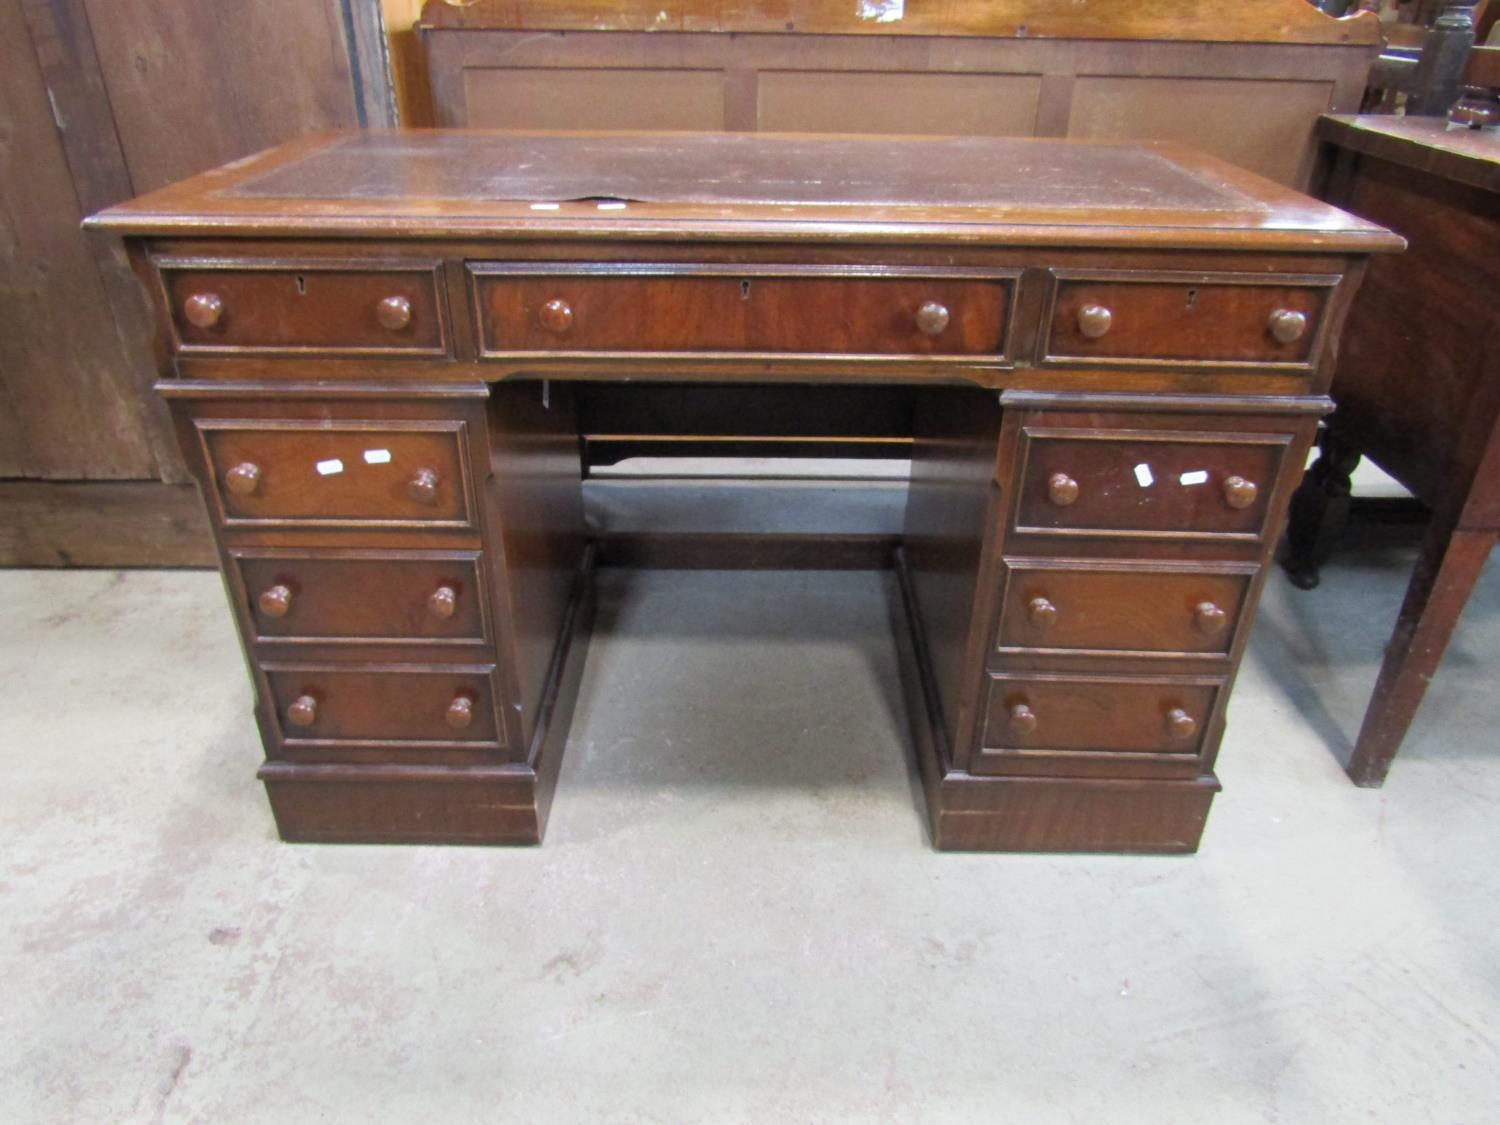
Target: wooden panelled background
pixel 101 100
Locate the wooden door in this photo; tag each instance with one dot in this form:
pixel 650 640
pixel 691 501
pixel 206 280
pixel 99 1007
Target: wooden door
pixel 101 100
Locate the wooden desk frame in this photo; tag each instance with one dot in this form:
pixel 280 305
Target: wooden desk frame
pixel 1021 467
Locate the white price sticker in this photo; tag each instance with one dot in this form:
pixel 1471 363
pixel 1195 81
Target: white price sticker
pixel 1143 475
pixel 329 467
pixel 1197 476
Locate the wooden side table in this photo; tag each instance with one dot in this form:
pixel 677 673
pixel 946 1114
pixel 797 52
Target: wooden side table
pixel 1417 386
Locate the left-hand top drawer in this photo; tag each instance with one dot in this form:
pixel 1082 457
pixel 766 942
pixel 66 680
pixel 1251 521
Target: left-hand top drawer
pixel 338 473
pixel 234 307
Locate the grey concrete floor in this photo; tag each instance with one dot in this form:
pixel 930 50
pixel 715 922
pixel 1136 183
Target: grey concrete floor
pixel 736 915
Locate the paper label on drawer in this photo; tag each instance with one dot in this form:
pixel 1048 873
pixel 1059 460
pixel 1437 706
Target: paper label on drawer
pixel 331 466
pixel 1197 476
pixel 377 457
pixel 1143 475
pixel 880 11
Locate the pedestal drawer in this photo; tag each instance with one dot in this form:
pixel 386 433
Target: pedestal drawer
pixel 1184 318
pixel 1117 482
pixel 346 472
pixel 1115 726
pixel 393 704
pixel 756 310
pixel 353 596
pixel 235 308
pixel 1086 606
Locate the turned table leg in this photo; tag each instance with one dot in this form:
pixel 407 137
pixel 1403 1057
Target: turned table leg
pixel 1446 572
pixel 1319 510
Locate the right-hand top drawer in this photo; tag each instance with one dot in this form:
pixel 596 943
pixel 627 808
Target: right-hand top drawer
pixel 1115 476
pixel 1215 320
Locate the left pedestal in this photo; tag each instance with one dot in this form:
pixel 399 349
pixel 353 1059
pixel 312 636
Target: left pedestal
pixel 409 576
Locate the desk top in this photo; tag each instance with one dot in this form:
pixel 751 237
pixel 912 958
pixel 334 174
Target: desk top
pixel 1014 191
pixel 1428 144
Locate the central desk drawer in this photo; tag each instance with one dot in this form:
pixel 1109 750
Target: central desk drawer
pixel 417 597
pixel 807 311
pixel 338 473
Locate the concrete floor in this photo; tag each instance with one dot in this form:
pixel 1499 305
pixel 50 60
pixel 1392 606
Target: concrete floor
pixel 736 915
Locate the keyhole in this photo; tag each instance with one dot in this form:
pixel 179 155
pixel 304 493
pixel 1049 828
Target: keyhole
pixel 1192 296
pixel 301 285
pixel 744 290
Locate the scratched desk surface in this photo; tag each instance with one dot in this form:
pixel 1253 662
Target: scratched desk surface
pixel 462 182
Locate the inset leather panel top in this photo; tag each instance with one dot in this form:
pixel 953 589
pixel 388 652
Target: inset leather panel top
pixel 747 186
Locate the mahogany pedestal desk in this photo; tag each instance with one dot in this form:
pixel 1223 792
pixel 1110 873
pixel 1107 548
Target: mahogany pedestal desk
pixel 376 347
pixel 1417 386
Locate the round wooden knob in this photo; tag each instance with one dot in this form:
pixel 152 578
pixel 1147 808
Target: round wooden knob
pixel 1180 724
pixel 932 318
pixel 1209 619
pixel 1022 719
pixel 1286 326
pixel 556 316
pixel 423 487
pixel 1041 612
pixel 394 313
pixel 243 479
pixel 1094 320
pixel 460 712
pixel 442 602
pixel 276 601
pixel 303 712
pixel 203 310
pixel 1062 489
pixel 1239 492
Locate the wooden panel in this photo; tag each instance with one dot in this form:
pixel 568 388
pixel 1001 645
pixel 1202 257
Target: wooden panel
pixel 1101 607
pixel 342 805
pixel 1037 814
pixel 1277 21
pixel 103 523
pixel 70 405
pixel 1143 483
pixel 1259 124
pixel 534 501
pixel 335 473
pixel 1402 400
pixel 410 81
pixel 382 704
pixel 353 596
pixel 196 85
pixel 308 308
pixel 749 312
pixel 1096 725
pixel 580 98
pixel 950 511
pixel 827 101
pixel 1195 317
